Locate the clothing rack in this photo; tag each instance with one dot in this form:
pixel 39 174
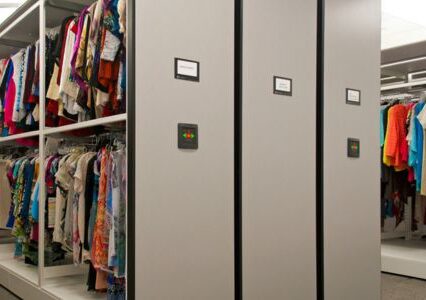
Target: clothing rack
pixel 397 96
pixel 48 280
pixel 407 233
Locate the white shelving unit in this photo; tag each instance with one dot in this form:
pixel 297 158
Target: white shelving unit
pixel 403 252
pixel 27 25
pixel 404 257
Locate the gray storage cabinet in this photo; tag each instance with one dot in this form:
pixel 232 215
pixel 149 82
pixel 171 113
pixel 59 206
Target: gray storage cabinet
pixel 184 198
pixel 278 190
pixel 351 185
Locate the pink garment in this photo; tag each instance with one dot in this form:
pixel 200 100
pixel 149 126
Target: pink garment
pixel 8 109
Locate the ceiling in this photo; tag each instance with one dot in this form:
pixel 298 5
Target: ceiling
pixel 403 22
pixel 7 7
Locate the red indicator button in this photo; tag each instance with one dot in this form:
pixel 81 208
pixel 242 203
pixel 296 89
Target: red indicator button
pixel 188 136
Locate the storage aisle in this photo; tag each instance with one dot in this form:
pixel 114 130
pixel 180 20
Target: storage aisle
pixel 403 247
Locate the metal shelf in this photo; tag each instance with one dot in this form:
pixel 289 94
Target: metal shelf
pixel 403 257
pixel 86 124
pixel 15 137
pixel 65 129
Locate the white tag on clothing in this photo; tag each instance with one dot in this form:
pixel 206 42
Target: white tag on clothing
pixel 51 207
pixel 111 46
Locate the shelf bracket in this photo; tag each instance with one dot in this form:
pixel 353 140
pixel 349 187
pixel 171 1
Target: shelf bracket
pixel 65 5
pixel 13 43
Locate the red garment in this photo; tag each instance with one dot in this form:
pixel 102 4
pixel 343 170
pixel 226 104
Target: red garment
pixel 411 176
pixel 397 146
pixel 108 79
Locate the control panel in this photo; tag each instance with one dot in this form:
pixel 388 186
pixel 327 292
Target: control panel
pixel 353 148
pixel 187 136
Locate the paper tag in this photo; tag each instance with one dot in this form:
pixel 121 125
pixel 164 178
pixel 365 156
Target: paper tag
pixel 283 86
pixel 51 210
pixel 353 96
pixel 111 46
pixel 187 69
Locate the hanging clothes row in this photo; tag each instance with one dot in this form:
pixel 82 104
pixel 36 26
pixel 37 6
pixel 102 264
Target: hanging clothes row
pixel 86 65
pixel 86 209
pixel 22 174
pixel 85 72
pixel 19 91
pixel 85 217
pixel 402 127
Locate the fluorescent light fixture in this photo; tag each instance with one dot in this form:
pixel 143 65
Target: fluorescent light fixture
pixel 402 85
pixel 418 73
pixel 402 62
pixel 388 78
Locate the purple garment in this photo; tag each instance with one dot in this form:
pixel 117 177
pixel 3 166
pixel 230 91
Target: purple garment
pixel 74 74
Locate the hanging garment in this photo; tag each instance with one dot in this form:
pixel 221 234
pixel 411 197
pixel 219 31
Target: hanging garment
pixel 5 193
pixel 396 146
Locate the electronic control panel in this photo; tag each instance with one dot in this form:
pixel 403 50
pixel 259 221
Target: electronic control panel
pixel 187 136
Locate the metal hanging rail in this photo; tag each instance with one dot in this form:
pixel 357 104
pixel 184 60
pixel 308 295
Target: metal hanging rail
pixel 13 43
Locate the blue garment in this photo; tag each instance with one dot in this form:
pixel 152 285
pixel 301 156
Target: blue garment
pixel 412 154
pixel 382 125
pixel 418 145
pixel 389 208
pixel 93 210
pixel 34 202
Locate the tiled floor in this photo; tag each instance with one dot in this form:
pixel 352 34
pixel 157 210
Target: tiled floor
pixel 402 288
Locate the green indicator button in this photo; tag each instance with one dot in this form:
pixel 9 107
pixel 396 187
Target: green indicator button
pixel 192 135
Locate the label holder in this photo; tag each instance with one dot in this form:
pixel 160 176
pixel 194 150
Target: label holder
pixel 353 96
pixel 182 76
pixel 284 80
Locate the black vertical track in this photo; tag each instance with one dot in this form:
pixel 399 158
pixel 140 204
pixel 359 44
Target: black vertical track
pixel 238 82
pixel 320 151
pixel 131 148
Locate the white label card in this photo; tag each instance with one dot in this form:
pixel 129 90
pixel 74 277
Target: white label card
pixel 283 86
pixel 353 96
pixel 186 69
